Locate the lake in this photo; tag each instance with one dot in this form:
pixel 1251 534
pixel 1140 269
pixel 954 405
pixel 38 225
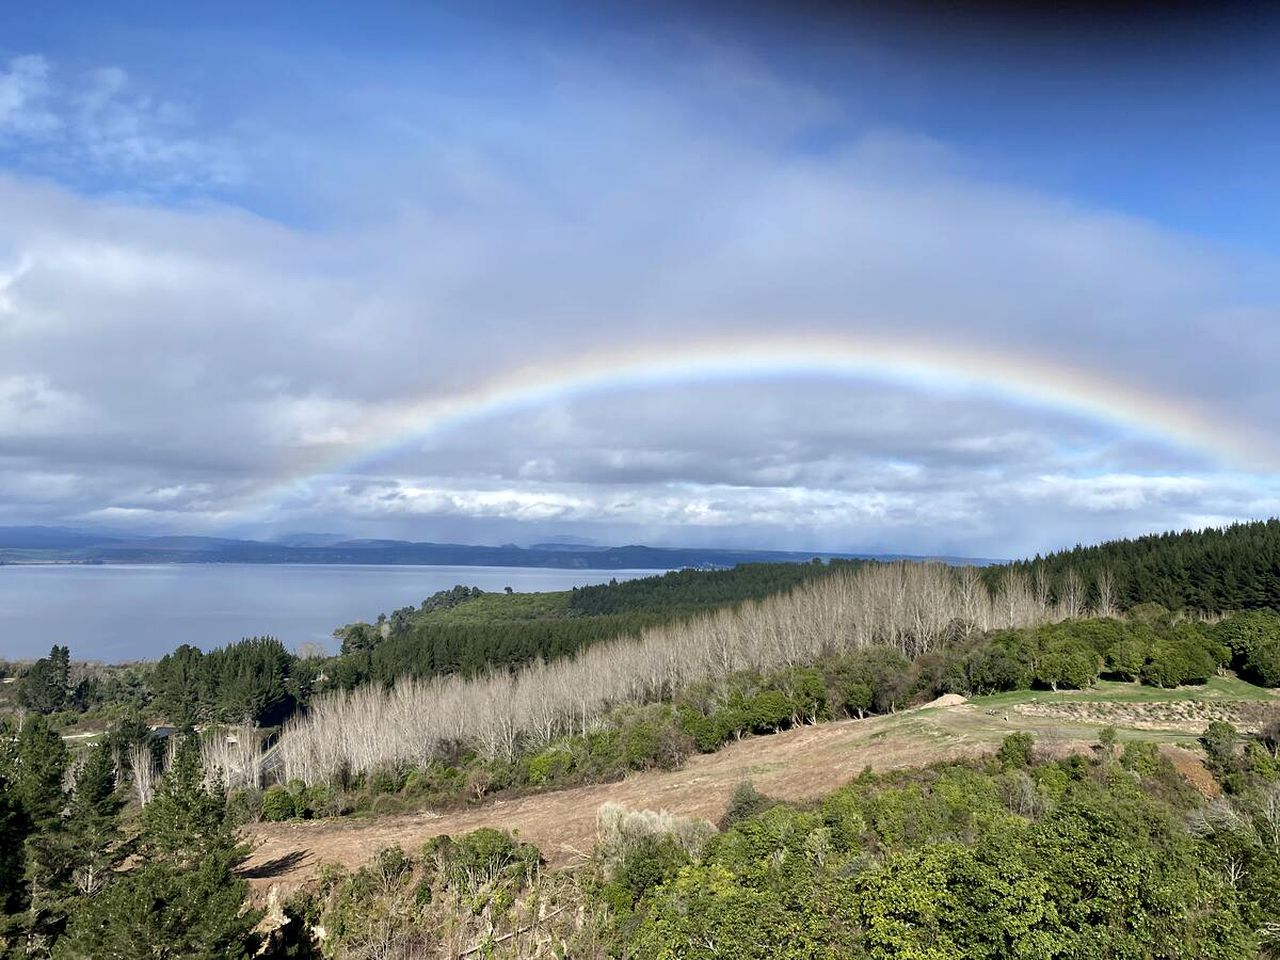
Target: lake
pixel 129 612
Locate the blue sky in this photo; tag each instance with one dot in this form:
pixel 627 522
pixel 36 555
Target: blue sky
pixel 1172 123
pixel 236 238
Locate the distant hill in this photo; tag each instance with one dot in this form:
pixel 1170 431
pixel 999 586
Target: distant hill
pixel 50 538
pixel 57 545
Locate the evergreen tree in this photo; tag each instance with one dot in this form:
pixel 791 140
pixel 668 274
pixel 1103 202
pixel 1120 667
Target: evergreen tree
pixel 14 828
pixel 46 686
pixel 92 829
pixel 183 900
pixel 39 767
pixel 34 764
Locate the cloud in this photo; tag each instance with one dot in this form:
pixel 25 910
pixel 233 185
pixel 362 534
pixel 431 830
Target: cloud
pixel 206 366
pixel 97 129
pixel 24 92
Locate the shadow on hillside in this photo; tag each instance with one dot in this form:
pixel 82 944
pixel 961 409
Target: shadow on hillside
pixel 273 868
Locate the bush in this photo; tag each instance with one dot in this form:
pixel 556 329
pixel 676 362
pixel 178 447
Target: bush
pixel 746 801
pixel 620 830
pixel 1262 663
pixel 1219 741
pixel 278 804
pixel 550 765
pixel 1015 751
pixel 652 738
pixel 1068 665
pixel 842 815
pixel 484 854
pixel 768 711
pixel 1142 757
pixel 1127 658
pixel 245 806
pixel 385 781
pixel 649 862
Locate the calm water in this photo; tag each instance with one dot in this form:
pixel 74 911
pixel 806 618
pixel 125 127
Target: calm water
pixel 118 613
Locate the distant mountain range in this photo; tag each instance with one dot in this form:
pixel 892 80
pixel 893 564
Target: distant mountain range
pixel 61 545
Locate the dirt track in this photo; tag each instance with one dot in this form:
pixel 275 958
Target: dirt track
pixel 798 764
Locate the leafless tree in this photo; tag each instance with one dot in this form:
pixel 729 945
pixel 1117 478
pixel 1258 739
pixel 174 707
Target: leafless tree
pixel 1106 586
pixel 1073 595
pixel 144 772
pixel 911 606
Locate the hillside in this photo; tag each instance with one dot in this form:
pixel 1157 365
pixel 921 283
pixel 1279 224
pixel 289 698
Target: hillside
pixel 466 631
pixel 1214 570
pixel 800 764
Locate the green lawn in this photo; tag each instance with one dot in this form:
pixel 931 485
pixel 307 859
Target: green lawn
pixel 506 606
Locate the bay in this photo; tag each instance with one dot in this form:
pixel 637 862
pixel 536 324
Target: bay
pixel 117 613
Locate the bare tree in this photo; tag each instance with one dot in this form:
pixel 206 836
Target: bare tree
pixel 144 772
pixel 1106 586
pixel 1073 595
pixel 911 606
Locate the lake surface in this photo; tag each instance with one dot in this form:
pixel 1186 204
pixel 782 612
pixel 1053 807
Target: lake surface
pixel 129 612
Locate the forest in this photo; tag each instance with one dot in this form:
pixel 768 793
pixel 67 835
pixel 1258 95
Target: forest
pixel 1214 570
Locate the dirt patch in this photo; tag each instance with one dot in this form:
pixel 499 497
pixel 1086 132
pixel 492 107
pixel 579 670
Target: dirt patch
pixel 800 764
pixel 1191 766
pixel 947 700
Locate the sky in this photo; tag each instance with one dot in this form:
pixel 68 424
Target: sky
pixel 924 278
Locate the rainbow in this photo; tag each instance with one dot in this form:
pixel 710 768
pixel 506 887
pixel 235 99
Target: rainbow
pixel 1019 379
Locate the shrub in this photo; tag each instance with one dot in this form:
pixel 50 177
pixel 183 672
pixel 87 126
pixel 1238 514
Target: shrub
pixel 1219 740
pixel 319 800
pixel 484 854
pixel 746 801
pixel 278 804
pixel 1127 658
pixel 550 765
pixel 245 806
pixel 619 829
pixel 842 815
pixel 1015 751
pixel 1142 757
pixel 648 862
pixel 652 738
pixel 1068 665
pixel 769 711
pixel 385 781
pixel 386 803
pixel 1262 663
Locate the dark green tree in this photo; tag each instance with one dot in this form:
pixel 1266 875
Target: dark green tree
pixel 183 900
pixel 46 686
pixel 14 829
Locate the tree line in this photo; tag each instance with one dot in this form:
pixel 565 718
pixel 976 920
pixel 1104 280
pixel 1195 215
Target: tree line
pixel 913 609
pixel 1214 570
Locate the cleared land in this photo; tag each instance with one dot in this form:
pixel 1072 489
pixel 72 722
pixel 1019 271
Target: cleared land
pixel 799 764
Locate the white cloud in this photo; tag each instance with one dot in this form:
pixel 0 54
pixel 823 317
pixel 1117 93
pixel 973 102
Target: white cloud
pixel 24 94
pixel 97 124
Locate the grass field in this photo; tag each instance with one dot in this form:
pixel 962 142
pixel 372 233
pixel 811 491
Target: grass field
pixel 504 606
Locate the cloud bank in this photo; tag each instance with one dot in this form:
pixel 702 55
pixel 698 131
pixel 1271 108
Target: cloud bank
pixel 168 364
